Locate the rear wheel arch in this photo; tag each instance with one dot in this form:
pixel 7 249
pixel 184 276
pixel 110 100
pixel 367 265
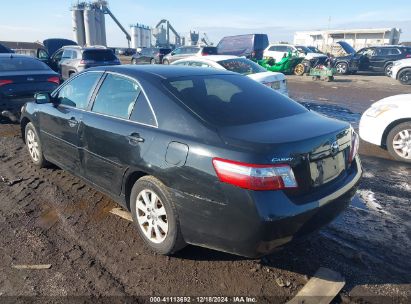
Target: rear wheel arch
pixel 23 123
pixel 389 128
pixel 130 180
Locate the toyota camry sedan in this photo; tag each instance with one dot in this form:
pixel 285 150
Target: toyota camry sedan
pixel 199 156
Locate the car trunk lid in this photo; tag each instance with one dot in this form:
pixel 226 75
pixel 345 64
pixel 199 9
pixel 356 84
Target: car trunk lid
pixel 316 147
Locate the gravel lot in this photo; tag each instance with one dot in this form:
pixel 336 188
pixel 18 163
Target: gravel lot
pixel 48 216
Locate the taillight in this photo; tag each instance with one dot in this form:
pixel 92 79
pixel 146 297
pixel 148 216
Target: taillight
pixel 255 177
pixel 5 81
pixel 408 56
pixel 54 79
pixel 86 61
pixel 355 144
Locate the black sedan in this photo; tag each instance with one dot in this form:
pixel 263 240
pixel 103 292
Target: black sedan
pixel 198 156
pixel 23 76
pixel 150 56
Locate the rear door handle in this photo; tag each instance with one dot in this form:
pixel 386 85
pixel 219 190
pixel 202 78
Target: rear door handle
pixel 135 138
pixel 73 122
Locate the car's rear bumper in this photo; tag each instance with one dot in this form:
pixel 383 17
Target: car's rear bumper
pixel 254 223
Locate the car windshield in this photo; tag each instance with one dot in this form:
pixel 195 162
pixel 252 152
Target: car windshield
pixel 209 50
pixel 99 55
pixel 303 49
pixel 21 64
pixel 241 66
pixel 228 100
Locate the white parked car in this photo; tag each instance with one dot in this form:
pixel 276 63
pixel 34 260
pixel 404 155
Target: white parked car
pixel 388 124
pixel 276 81
pixel 278 51
pixel 401 70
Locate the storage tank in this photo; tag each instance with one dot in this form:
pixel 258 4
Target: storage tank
pixel 97 22
pixel 135 37
pixel 103 29
pixel 78 25
pixel 90 26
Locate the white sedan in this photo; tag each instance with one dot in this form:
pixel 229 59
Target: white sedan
pixel 240 65
pixel 388 124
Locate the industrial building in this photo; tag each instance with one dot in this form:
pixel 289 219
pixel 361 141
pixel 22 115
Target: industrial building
pixel 358 38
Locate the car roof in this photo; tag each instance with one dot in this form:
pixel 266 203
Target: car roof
pixel 161 71
pixel 214 58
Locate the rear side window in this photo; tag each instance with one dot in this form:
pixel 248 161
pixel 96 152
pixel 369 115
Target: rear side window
pixel 165 51
pixel 99 55
pixel 21 64
pixel 142 112
pixel 241 66
pixel 394 52
pixel 116 96
pixel 66 54
pixel 226 100
pixel 77 92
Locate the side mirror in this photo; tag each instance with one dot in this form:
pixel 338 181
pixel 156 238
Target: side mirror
pixel 42 98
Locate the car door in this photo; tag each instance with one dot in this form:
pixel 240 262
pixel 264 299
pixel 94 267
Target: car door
pixel 55 60
pixel 378 58
pixel 113 137
pixel 364 56
pixel 177 54
pixel 60 121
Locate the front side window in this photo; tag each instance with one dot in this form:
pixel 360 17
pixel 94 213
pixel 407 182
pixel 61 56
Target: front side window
pixel 77 92
pixel 116 96
pixel 43 54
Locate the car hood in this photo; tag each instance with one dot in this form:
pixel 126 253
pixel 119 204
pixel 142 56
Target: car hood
pixel 406 61
pixel 53 44
pixel 300 127
pixel 267 76
pixel 399 100
pixel 347 47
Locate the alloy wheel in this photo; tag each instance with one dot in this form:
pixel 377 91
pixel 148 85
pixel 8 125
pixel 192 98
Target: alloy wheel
pixel 341 68
pixel 388 70
pixel 152 216
pixel 405 77
pixel 33 145
pixel 402 143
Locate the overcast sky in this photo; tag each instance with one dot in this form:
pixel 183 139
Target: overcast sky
pixel 37 20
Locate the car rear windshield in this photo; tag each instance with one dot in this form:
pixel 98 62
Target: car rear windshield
pixel 209 50
pixel 241 66
pixel 21 64
pixel 99 55
pixel 227 100
pixel 165 51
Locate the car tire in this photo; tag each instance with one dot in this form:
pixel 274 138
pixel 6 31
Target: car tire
pixel 404 76
pixel 33 145
pixel 133 61
pixel 165 61
pixel 152 61
pixel 342 68
pixel 155 216
pixel 71 74
pixel 399 142
pixel 388 70
pixel 299 69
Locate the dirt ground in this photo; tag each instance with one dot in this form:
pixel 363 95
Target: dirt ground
pixel 48 216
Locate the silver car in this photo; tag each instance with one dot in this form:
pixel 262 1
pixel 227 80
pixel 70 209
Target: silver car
pixel 188 51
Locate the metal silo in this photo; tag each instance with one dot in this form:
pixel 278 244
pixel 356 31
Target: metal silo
pixel 90 25
pixel 103 29
pixel 134 37
pixel 97 28
pixel 78 25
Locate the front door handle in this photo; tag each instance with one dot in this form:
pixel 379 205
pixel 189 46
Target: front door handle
pixel 135 138
pixel 73 122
